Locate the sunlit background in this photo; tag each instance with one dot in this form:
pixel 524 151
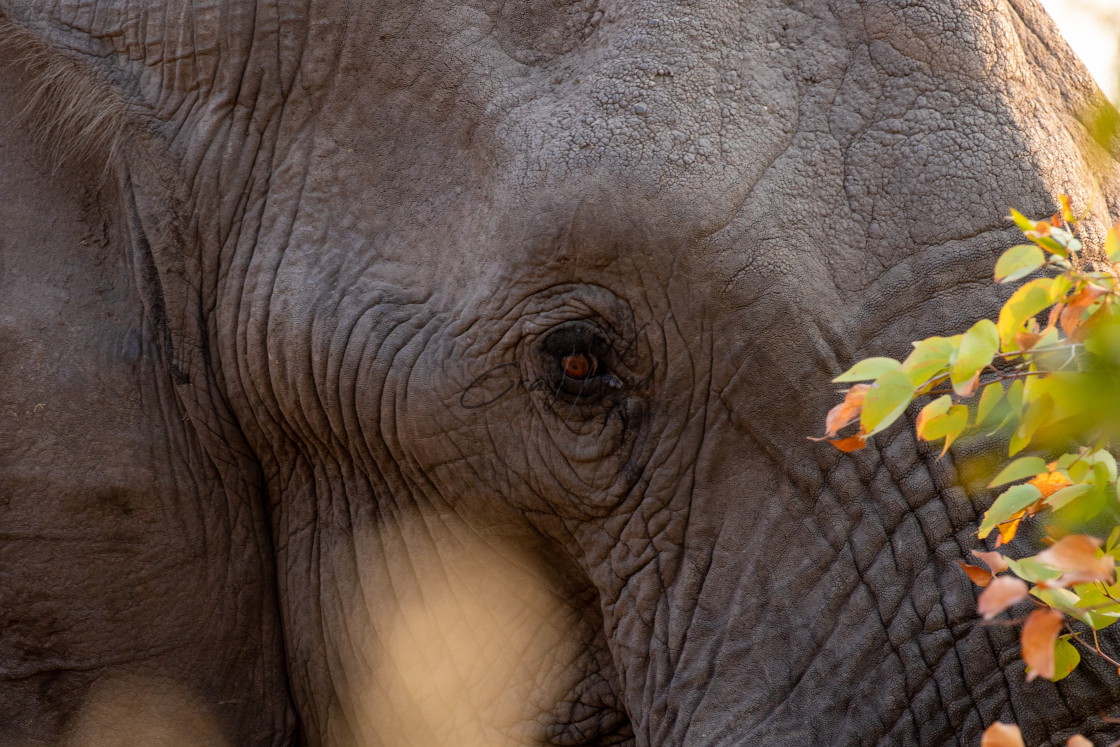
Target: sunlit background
pixel 1092 28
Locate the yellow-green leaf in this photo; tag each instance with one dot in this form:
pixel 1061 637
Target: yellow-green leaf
pixel 953 421
pixel 1027 301
pixel 1023 222
pixel 1018 262
pixel 1065 495
pixel 868 369
pixel 977 347
pixel 1112 243
pixel 1066 658
pixel 1010 502
pixel 1017 470
pixel 928 358
pixel 885 401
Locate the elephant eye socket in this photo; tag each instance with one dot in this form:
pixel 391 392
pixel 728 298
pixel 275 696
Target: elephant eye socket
pixel 580 366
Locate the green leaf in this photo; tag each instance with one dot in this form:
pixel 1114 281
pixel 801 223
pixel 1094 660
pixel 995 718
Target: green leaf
pixel 928 358
pixel 885 401
pixel 1017 470
pixel 1104 457
pixel 1027 301
pixel 1066 658
pixel 1101 475
pixel 1060 498
pixel 868 369
pixel 1010 502
pixel 1113 540
pixel 1031 570
pixel 978 345
pixel 1078 469
pixel 1018 262
pixel 1037 414
pixel 989 398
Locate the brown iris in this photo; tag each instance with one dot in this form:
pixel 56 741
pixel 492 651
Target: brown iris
pixel 579 365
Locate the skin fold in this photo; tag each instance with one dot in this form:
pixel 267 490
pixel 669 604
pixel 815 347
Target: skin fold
pixel 288 292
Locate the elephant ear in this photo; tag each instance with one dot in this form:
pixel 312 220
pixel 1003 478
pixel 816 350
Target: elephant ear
pixel 82 110
pixel 136 557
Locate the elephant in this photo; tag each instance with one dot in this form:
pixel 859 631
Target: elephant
pixel 441 371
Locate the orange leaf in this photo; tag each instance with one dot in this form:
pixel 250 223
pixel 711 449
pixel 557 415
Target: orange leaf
pixel 1039 633
pixel 978 575
pixel 1049 483
pixel 1078 741
pixel 1001 593
pixel 1000 734
pixel 847 411
pixel 851 443
pixel 994 560
pixel 1076 557
pixel 1008 528
pixel 1042 228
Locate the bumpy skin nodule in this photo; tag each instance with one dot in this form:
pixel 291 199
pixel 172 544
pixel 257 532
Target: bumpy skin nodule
pixel 289 368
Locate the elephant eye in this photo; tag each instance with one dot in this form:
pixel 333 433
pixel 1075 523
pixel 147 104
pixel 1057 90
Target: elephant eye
pixel 580 366
pixel 574 364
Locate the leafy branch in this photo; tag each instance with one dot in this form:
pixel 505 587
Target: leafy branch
pixel 1044 374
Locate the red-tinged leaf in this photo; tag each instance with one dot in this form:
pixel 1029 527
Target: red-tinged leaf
pixel 976 574
pixel 1076 557
pixel 1078 741
pixel 847 411
pixel 851 443
pixel 1027 340
pixel 1000 734
pixel 1001 593
pixel 994 560
pixel 1076 306
pixel 1042 227
pixel 933 410
pixel 1027 301
pixel 1038 636
pixel 1086 327
pixel 968 388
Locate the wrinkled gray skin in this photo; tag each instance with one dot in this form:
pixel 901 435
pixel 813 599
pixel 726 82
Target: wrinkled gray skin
pixel 249 369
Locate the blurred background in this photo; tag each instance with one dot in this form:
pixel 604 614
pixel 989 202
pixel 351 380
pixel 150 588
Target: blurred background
pixel 1092 28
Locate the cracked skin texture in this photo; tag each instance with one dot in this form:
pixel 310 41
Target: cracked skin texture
pixel 285 451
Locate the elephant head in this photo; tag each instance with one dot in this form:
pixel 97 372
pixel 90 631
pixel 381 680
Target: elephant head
pixel 356 351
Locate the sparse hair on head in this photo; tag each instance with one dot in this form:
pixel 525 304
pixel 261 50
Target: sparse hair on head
pixel 72 114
